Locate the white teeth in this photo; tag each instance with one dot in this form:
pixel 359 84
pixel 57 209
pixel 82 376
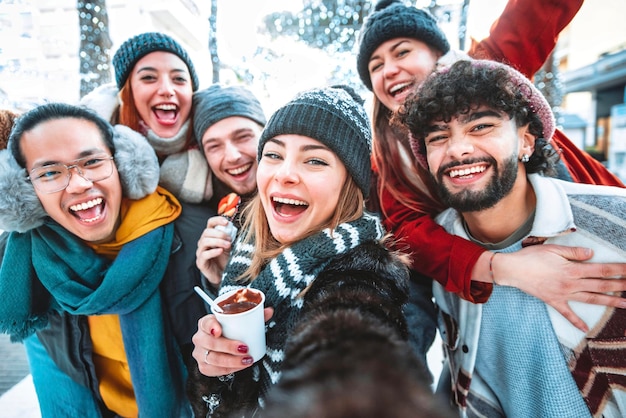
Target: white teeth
pixel 239 170
pixel 467 171
pixel 399 87
pixel 166 107
pixel 289 201
pixel 86 205
pixel 91 220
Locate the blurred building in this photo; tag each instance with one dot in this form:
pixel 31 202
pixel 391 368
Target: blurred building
pixel 39 42
pixel 592 53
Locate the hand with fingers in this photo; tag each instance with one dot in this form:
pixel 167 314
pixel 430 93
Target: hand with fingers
pixel 213 250
pixel 217 355
pixel 557 275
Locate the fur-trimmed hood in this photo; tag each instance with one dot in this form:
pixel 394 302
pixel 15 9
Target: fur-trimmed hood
pixel 20 208
pixel 104 100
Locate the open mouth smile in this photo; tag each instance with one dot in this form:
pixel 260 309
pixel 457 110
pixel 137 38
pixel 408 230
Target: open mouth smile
pixel 239 170
pixel 89 211
pixel 289 207
pixel 400 88
pixel 166 113
pixel 466 172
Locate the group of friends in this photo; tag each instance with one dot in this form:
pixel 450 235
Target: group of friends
pixel 513 239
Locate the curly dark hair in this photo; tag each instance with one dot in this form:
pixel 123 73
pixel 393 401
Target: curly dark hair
pixel 465 86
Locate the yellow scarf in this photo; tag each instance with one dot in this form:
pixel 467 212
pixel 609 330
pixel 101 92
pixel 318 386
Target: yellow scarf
pixel 137 218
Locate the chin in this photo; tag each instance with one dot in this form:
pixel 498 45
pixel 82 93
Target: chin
pixel 96 235
pixel 167 131
pixel 286 238
pixel 247 190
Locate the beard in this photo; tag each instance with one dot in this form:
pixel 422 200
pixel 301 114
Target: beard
pixel 475 200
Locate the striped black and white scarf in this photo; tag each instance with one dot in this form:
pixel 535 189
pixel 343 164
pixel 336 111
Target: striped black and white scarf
pixel 285 276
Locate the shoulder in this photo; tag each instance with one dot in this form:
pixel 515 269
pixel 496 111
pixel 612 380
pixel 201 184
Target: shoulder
pixel 579 191
pixel 371 256
pixel 103 100
pixel 370 263
pixel 590 202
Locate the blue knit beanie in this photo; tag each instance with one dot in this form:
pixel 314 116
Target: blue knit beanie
pixel 392 19
pixel 335 116
pixel 135 48
pixel 218 102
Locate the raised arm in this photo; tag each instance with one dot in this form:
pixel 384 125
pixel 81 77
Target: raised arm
pixel 526 33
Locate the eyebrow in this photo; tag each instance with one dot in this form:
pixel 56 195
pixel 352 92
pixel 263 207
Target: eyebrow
pixel 464 120
pixel 307 147
pixel 236 132
pixel 148 68
pixel 436 127
pixel 482 114
pixel 82 154
pixel 393 47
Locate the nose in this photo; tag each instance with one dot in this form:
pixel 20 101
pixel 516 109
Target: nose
pixel 231 152
pixel 286 173
pixel 390 69
pixel 459 146
pixel 77 183
pixel 166 88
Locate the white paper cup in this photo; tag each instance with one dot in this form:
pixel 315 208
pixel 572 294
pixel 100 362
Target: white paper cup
pixel 247 327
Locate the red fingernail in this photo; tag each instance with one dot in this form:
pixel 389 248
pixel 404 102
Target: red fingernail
pixel 246 360
pixel 242 348
pixel 213 332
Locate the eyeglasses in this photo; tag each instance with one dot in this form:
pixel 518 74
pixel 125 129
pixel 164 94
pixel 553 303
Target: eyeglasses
pixel 53 178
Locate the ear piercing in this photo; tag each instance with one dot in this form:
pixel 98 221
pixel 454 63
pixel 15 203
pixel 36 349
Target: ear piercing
pixel 525 158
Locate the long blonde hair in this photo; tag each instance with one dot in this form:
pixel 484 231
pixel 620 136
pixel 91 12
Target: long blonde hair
pixel 256 228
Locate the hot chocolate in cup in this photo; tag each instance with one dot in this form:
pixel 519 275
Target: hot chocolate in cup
pixel 242 319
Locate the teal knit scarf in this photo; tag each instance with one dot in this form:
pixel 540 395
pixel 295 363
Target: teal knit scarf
pixel 49 269
pixel 284 277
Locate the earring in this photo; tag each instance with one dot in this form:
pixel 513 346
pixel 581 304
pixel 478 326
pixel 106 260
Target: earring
pixel 525 158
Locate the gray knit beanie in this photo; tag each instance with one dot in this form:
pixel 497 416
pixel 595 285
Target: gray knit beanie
pixel 334 116
pixel 392 19
pixel 218 102
pixel 135 48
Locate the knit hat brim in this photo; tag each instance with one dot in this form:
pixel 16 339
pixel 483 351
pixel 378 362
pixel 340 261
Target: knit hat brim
pixel 333 117
pixel 218 102
pixel 137 47
pixel 392 20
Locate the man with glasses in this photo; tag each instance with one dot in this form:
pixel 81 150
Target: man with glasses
pixel 84 275
pixel 53 178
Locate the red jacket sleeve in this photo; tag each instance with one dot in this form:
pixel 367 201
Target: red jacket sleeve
pixel 582 166
pixel 435 253
pixel 526 33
